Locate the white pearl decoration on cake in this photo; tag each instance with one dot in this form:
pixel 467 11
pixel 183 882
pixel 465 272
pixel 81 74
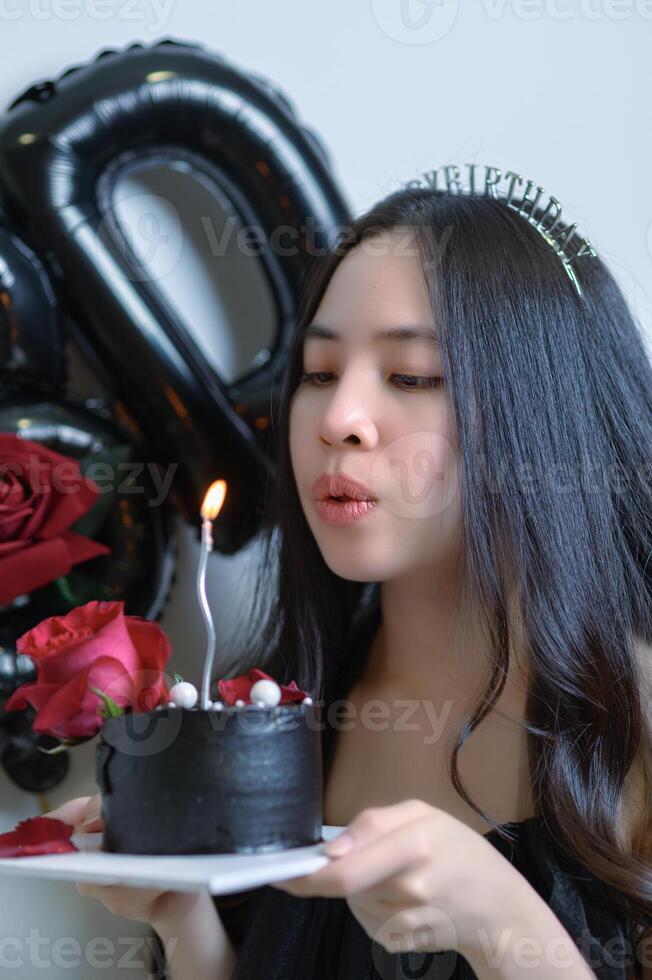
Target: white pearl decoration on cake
pixel 307 700
pixel 184 694
pixel 266 691
pixel 239 703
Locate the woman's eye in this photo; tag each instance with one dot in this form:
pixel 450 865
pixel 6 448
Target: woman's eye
pixel 313 375
pixel 410 381
pixel 420 381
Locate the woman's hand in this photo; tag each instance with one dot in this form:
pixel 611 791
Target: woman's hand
pixel 84 813
pixel 151 905
pixel 418 879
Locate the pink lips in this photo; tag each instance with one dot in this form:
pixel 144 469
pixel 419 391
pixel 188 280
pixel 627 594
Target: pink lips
pixel 341 485
pixel 357 500
pixel 341 512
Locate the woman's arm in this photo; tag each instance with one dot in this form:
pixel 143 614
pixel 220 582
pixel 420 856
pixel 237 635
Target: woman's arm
pixel 197 945
pixel 535 945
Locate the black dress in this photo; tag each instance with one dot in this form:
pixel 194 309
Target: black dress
pixel 278 936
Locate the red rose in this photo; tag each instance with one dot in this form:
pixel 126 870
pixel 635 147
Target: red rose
pixel 239 687
pixel 42 493
pixel 37 835
pixel 94 645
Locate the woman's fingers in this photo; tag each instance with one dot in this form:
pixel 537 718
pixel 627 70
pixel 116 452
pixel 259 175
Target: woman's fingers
pixel 93 816
pixel 84 813
pixel 72 811
pixel 142 904
pixel 90 888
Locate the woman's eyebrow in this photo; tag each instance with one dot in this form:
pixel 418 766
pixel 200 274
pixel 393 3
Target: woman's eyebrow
pixel 426 334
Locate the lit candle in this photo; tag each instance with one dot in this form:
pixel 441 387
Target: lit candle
pixel 209 510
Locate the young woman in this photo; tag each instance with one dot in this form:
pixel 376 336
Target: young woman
pixel 497 797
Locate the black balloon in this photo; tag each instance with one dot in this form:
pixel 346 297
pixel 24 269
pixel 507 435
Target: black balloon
pixel 63 145
pixel 26 765
pixel 31 344
pixel 20 753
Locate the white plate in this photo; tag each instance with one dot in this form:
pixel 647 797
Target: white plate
pixel 219 873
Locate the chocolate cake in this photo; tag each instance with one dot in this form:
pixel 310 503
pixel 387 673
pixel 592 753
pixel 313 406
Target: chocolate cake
pixel 243 779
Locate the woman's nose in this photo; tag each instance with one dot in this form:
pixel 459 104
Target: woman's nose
pixel 348 417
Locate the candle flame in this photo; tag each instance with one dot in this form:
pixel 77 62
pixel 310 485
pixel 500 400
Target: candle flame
pixel 213 500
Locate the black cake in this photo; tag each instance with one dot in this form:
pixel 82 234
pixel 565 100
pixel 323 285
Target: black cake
pixel 243 779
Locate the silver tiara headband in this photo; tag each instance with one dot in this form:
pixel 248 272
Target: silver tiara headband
pixel 558 237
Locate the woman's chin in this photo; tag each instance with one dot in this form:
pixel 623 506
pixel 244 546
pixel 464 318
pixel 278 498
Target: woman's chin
pixel 351 565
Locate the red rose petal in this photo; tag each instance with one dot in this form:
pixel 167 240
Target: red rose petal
pixel 36 514
pixel 37 835
pixel 30 568
pixel 74 710
pixel 240 687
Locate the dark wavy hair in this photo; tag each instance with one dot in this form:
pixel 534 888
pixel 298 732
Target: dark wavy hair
pixel 543 383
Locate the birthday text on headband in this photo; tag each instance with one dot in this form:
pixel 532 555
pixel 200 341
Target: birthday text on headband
pixel 490 182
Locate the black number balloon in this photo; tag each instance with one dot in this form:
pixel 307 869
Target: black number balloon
pixel 31 343
pixel 63 145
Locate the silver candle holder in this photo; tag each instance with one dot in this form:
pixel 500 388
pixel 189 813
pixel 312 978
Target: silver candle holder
pixel 210 509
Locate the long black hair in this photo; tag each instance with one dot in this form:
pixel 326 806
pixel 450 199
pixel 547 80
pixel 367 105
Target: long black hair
pixel 552 395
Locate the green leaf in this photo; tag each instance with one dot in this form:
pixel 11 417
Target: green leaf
pixel 178 679
pixel 63 585
pixel 111 709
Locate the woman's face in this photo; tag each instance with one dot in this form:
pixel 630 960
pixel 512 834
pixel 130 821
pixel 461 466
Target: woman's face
pixel 361 418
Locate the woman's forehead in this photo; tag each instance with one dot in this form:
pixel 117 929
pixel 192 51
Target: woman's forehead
pixel 421 335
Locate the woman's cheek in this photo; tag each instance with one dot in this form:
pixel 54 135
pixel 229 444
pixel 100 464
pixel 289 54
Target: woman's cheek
pixel 421 469
pixel 300 442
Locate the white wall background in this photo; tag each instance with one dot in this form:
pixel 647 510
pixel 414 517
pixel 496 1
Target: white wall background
pixel 557 90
